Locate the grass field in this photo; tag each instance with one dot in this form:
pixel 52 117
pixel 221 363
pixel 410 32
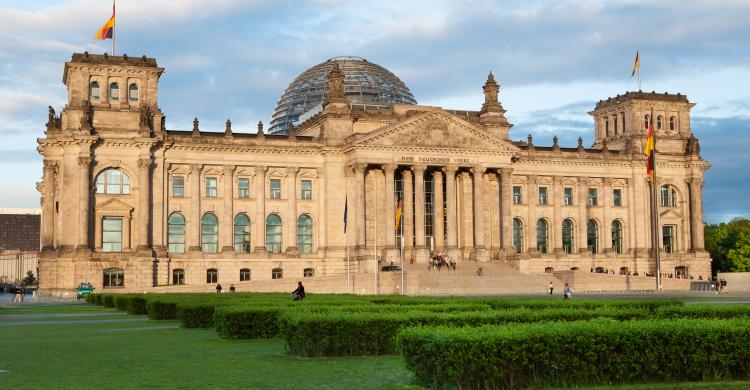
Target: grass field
pixel 40 349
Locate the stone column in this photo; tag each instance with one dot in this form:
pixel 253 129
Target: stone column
pixel 507 207
pixel 227 221
pixel 260 208
pixel 195 208
pixel 390 210
pixel 583 193
pixel 605 237
pixel 450 204
pixel 144 191
pixel 438 227
pixel 532 197
pixel 408 220
pixel 422 251
pixel 557 205
pixel 84 163
pixel 291 212
pixel 696 213
pixel 480 252
pixel 48 205
pixel 359 194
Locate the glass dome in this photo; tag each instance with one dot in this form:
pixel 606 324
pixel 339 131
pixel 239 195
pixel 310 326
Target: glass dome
pixel 364 83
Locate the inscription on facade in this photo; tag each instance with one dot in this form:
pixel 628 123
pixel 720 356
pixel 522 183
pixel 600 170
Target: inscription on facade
pixel 434 160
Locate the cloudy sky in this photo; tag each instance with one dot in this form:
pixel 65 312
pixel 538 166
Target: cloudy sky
pixel 553 59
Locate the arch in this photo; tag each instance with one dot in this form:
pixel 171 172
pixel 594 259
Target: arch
pixel 592 235
pixel 114 91
pixel 176 233
pixel 658 122
pixel 113 181
pixel 209 233
pixel 568 235
pixel 617 236
pixel 133 92
pixel 672 123
pixel 245 274
pixel 542 235
pixel 668 196
pixel 242 233
pixel 274 237
pixel 308 272
pixel 94 91
pixel 518 234
pixel 304 234
pixel 114 277
pixel 277 273
pixel 178 276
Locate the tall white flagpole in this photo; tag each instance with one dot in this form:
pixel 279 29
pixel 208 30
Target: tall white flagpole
pixel 346 238
pixel 114 25
pixel 377 264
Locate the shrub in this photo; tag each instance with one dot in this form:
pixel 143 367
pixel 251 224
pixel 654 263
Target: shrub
pixel 575 353
pixel 108 300
pixel 160 310
pixel 121 302
pixel 247 323
pixel 196 316
pixel 137 305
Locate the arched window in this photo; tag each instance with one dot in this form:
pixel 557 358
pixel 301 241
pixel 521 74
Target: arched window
pixel 304 234
pixel 668 196
pixel 646 119
pixel 308 272
pixel 133 92
pixel 592 236
pixel 114 91
pixel 542 235
pixel 209 233
pixel 672 123
pixel 176 233
pixel 567 235
pixel 178 276
pixel 617 236
pixel 244 274
pixel 273 233
pixel 113 181
pixel 94 91
pixel 658 122
pixel 242 233
pixel 114 277
pixel 518 235
pixel 277 273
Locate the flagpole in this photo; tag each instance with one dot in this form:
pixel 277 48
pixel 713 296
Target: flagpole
pixel 113 28
pixel 655 209
pixel 403 286
pixel 377 265
pixel 639 68
pixel 346 238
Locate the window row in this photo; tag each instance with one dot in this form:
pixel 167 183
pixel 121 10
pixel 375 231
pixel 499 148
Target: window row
pixel 115 277
pixel 209 233
pixel 568 233
pixel 543 198
pixel 660 122
pixel 114 91
pixel 210 189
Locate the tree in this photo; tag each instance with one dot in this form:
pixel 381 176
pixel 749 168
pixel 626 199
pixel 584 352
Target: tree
pixel 739 256
pixel 29 279
pixel 721 239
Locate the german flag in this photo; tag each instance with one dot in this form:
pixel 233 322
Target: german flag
pixel 399 212
pixel 649 149
pixel 636 65
pixel 108 30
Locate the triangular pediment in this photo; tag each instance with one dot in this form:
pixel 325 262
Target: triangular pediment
pixel 114 205
pixel 434 129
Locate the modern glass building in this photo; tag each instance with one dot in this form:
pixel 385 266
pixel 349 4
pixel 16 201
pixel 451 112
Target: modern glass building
pixel 364 83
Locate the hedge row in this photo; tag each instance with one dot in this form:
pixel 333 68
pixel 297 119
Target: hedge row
pixel 340 333
pixel 600 352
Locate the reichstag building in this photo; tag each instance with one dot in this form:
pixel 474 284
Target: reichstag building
pixel 128 204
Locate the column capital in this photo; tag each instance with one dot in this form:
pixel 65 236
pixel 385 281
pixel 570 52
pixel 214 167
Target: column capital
pixel 696 181
pixel 389 168
pixel 531 179
pixel 50 165
pixel 438 173
pixel 557 179
pixel 359 167
pixel 84 161
pixel 607 181
pixel 506 171
pixel 229 168
pixel 196 168
pixel 419 168
pixel 144 163
pixel 292 170
pixel 407 172
pixel 450 169
pixel 349 171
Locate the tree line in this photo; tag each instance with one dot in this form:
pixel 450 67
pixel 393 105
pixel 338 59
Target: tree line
pixel 729 245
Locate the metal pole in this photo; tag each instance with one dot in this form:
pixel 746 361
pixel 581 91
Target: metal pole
pixel 348 265
pixel 377 264
pixel 655 211
pixel 113 29
pixel 403 286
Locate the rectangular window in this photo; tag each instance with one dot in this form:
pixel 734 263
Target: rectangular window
pixel 517 195
pixel 543 195
pixel 568 195
pixel 245 275
pixel 112 234
pixel 667 233
pixel 593 197
pixel 211 186
pixel 275 189
pixel 306 189
pixel 617 197
pixel 212 275
pixel 243 188
pixel 178 186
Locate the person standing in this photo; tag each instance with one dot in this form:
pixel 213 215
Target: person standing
pixel 218 288
pixel 567 293
pixel 551 287
pixel 17 296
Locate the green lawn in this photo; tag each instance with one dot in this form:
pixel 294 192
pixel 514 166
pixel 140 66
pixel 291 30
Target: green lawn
pixel 158 354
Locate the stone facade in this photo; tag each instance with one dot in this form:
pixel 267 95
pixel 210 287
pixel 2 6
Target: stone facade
pixel 123 197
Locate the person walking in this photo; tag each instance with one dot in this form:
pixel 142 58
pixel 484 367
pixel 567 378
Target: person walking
pixel 551 287
pixel 17 295
pixel 567 293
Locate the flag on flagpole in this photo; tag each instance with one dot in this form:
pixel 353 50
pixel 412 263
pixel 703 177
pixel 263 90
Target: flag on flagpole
pixel 399 212
pixel 108 30
pixel 636 65
pixel 649 149
pixel 346 211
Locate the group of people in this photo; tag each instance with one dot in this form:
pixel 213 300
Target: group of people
pixel 567 292
pixel 441 260
pixel 219 288
pixel 721 286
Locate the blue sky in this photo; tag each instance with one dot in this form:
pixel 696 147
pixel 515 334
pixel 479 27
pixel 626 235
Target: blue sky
pixel 553 59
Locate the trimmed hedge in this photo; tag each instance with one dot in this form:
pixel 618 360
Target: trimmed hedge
pixel 600 352
pixel 121 302
pixel 159 310
pixel 137 305
pixel 247 323
pixel 195 316
pixel 108 300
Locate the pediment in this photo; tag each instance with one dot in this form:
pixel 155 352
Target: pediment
pixel 435 129
pixel 670 214
pixel 114 205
